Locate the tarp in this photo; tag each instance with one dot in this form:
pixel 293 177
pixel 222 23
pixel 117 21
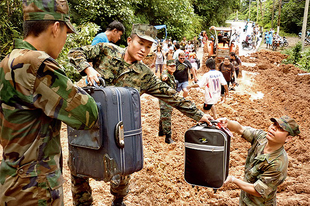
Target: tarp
pixel 162 27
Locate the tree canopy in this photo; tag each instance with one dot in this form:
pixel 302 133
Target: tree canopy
pixel 182 17
pixel 292 12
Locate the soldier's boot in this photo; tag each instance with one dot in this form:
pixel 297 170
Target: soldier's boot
pixel 168 139
pixel 160 133
pixel 118 201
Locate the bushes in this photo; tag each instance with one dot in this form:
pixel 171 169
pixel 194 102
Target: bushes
pixel 86 33
pixel 297 57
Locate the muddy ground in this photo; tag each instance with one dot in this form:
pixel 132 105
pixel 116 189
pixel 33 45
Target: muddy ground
pixel 269 89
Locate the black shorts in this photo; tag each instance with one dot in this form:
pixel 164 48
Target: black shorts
pixel 207 106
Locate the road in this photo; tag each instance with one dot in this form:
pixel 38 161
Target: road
pixel 240 25
pixel 237 25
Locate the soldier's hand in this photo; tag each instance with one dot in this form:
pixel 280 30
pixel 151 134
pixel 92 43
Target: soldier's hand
pixel 223 121
pixel 206 118
pixel 230 179
pixel 92 75
pixel 164 78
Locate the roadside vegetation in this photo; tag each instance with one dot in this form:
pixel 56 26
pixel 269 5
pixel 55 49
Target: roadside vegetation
pixel 297 57
pixel 182 17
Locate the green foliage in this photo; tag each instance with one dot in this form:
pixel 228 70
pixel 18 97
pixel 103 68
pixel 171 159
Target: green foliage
pixel 86 33
pixel 103 12
pixel 297 57
pixel 293 11
pixel 296 52
pixel 304 62
pixel 178 15
pixel 214 12
pixel 11 24
pixel 291 14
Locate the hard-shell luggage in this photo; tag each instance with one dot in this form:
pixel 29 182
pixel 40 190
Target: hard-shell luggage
pixel 207 151
pixel 114 145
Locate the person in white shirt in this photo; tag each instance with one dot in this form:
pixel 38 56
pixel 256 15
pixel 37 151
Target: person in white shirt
pixel 212 82
pixel 177 51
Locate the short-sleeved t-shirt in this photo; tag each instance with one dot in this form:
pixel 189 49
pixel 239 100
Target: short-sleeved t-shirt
pixel 227 71
pixel 236 62
pixel 181 73
pixel 212 82
pixel 100 38
pixel 265 171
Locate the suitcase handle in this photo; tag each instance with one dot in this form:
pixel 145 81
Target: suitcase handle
pixel 213 124
pixel 101 81
pixel 119 135
pixel 216 125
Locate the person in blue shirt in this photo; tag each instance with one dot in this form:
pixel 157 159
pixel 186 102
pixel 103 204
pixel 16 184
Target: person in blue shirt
pixel 112 34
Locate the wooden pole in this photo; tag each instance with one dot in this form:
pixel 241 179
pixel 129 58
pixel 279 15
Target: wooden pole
pixel 304 25
pixel 279 16
pixel 249 10
pixel 261 8
pixel 272 14
pixel 257 10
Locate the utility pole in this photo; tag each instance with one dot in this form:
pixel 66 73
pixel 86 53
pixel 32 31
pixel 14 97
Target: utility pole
pixel 304 25
pixel 279 16
pixel 257 10
pixel 272 14
pixel 249 9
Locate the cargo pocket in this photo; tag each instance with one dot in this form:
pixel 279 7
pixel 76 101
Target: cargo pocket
pixel 55 181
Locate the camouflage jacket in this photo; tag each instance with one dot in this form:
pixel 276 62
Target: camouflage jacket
pixel 35 97
pixel 265 171
pixel 170 79
pixel 108 60
pixel 172 83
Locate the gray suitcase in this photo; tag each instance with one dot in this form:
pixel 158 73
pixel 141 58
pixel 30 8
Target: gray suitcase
pixel 114 145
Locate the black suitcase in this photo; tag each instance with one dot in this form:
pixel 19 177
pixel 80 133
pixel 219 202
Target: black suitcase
pixel 114 145
pixel 207 150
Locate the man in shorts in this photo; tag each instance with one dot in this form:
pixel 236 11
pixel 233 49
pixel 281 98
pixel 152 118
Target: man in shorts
pixel 212 82
pixel 182 73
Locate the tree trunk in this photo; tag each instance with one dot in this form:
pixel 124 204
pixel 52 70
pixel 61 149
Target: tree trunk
pixel 272 14
pixel 279 16
pixel 261 8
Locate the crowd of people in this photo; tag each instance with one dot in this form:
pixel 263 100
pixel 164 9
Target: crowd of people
pixel 36 96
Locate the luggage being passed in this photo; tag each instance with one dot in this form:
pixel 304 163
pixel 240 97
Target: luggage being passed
pixel 207 150
pixel 114 145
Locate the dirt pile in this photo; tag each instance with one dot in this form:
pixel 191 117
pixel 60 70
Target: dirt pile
pixel 266 90
pixel 161 180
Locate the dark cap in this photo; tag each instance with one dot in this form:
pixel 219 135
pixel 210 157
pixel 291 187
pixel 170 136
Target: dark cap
pixel 288 124
pixel 57 10
pixel 145 31
pixel 171 62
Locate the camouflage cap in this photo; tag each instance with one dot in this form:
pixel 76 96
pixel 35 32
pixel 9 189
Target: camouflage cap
pixel 57 10
pixel 171 62
pixel 288 124
pixel 145 31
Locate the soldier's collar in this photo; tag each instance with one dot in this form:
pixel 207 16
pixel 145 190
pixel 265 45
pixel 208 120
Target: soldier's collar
pixel 271 156
pixel 21 44
pixel 135 66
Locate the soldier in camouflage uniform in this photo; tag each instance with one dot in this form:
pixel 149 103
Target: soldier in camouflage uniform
pixel 123 67
pixel 166 109
pixel 35 97
pixel 267 161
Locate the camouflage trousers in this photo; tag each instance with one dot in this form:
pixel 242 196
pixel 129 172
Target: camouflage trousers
pixel 29 191
pixel 165 117
pixel 82 193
